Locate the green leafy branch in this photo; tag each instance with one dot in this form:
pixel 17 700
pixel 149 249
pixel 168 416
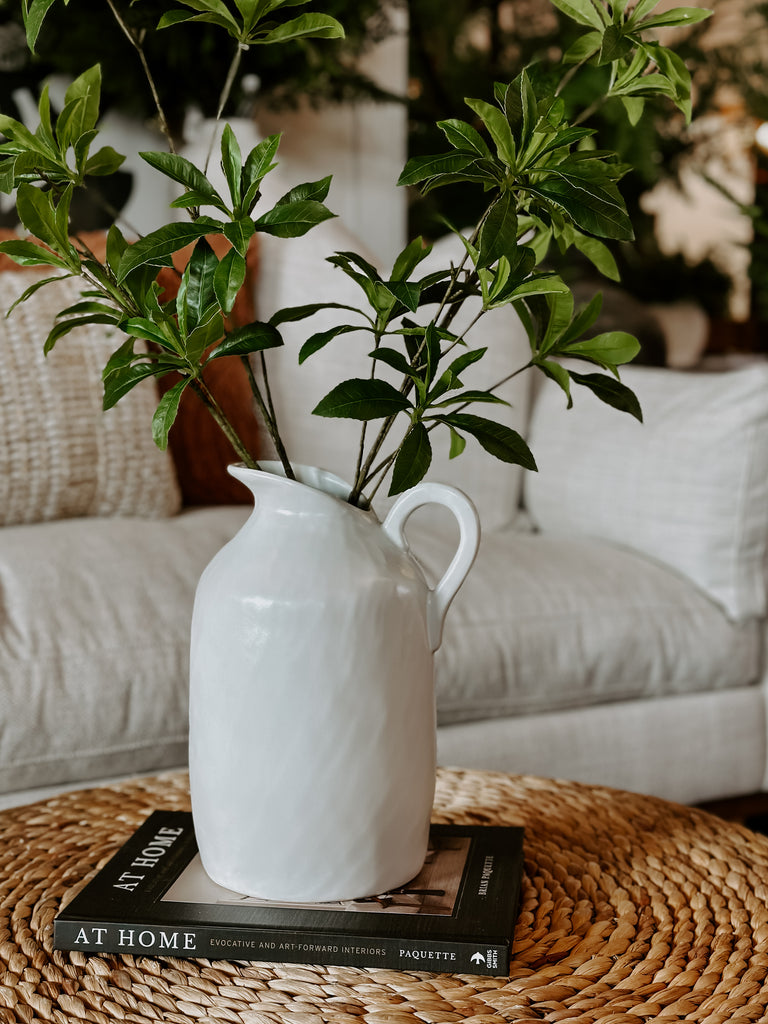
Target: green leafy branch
pixel 546 184
pixel 182 335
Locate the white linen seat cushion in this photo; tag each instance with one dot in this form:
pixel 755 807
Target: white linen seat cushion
pixel 94 642
pixel 549 623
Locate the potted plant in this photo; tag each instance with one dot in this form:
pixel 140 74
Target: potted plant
pixel 312 714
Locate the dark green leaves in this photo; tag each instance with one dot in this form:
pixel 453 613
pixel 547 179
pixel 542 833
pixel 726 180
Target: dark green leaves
pixel 57 154
pixel 199 190
pixel 498 440
pixel 413 460
pixel 589 199
pixel 255 22
pixel 362 400
pixel 34 12
pixel 610 391
pixel 157 248
pixel 293 218
pixel 166 412
pixel 255 337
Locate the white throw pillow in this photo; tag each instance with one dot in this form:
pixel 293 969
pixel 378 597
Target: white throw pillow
pixel 688 487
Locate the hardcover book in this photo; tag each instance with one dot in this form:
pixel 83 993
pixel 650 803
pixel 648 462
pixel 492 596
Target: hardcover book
pixel 154 898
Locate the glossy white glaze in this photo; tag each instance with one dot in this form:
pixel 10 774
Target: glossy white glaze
pixel 312 718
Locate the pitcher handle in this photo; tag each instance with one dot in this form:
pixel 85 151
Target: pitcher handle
pixel 439 599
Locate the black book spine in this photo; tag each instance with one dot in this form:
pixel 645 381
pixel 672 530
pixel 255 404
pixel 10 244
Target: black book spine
pixel 325 948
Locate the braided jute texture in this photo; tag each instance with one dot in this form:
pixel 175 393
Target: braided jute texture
pixel 632 910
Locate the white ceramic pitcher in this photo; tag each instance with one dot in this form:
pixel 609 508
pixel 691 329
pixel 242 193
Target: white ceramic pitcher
pixel 312 715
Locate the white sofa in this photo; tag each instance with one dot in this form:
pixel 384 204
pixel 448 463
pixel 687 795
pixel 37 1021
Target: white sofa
pixel 612 629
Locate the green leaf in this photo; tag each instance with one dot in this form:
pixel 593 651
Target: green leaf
pixel 228 279
pixel 293 313
pixel 498 440
pixel 458 444
pixel 582 322
pixel 610 391
pixel 147 330
pixel 465 397
pixel 91 306
pixel 610 349
pixel 65 326
pixel 595 208
pixel 362 399
pixel 598 254
pixel 254 337
pixel 674 68
pixel 614 45
pixel 104 161
pixel 674 17
pixel 258 164
pixel 583 12
pixel 20 134
pixel 27 254
pixel 292 220
pixel 583 48
pixel 641 10
pixel 209 331
pixel 315 190
pixel 178 168
pixel 463 136
pixel 420 168
pixel 497 124
pixel 69 123
pixel 407 261
pixel 157 248
pixel 45 129
pixel 199 293
pixel 231 163
pixel 413 460
pixel 407 294
pixel 214 11
pixel 498 235
pixel 87 89
pixel 34 15
pixel 560 306
pixel 166 412
pixel 321 339
pixel 38 215
pixel 239 233
pixel 392 357
pixel 122 380
pixel 306 26
pixel 28 292
pixel 557 373
pixel 116 246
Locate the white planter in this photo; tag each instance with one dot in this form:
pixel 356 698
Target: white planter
pixel 312 719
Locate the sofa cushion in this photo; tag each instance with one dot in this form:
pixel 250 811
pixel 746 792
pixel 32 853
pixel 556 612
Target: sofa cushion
pixel 544 623
pixel 94 642
pixel 62 455
pixel 688 487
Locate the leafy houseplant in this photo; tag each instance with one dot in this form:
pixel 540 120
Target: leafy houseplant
pixel 544 181
pixel 313 632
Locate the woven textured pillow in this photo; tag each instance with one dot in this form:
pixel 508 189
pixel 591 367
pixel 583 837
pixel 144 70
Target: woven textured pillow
pixel 61 455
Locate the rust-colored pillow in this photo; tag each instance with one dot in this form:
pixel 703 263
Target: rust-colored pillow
pixel 200 450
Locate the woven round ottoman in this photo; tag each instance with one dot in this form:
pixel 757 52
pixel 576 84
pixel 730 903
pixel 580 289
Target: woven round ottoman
pixel 632 910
